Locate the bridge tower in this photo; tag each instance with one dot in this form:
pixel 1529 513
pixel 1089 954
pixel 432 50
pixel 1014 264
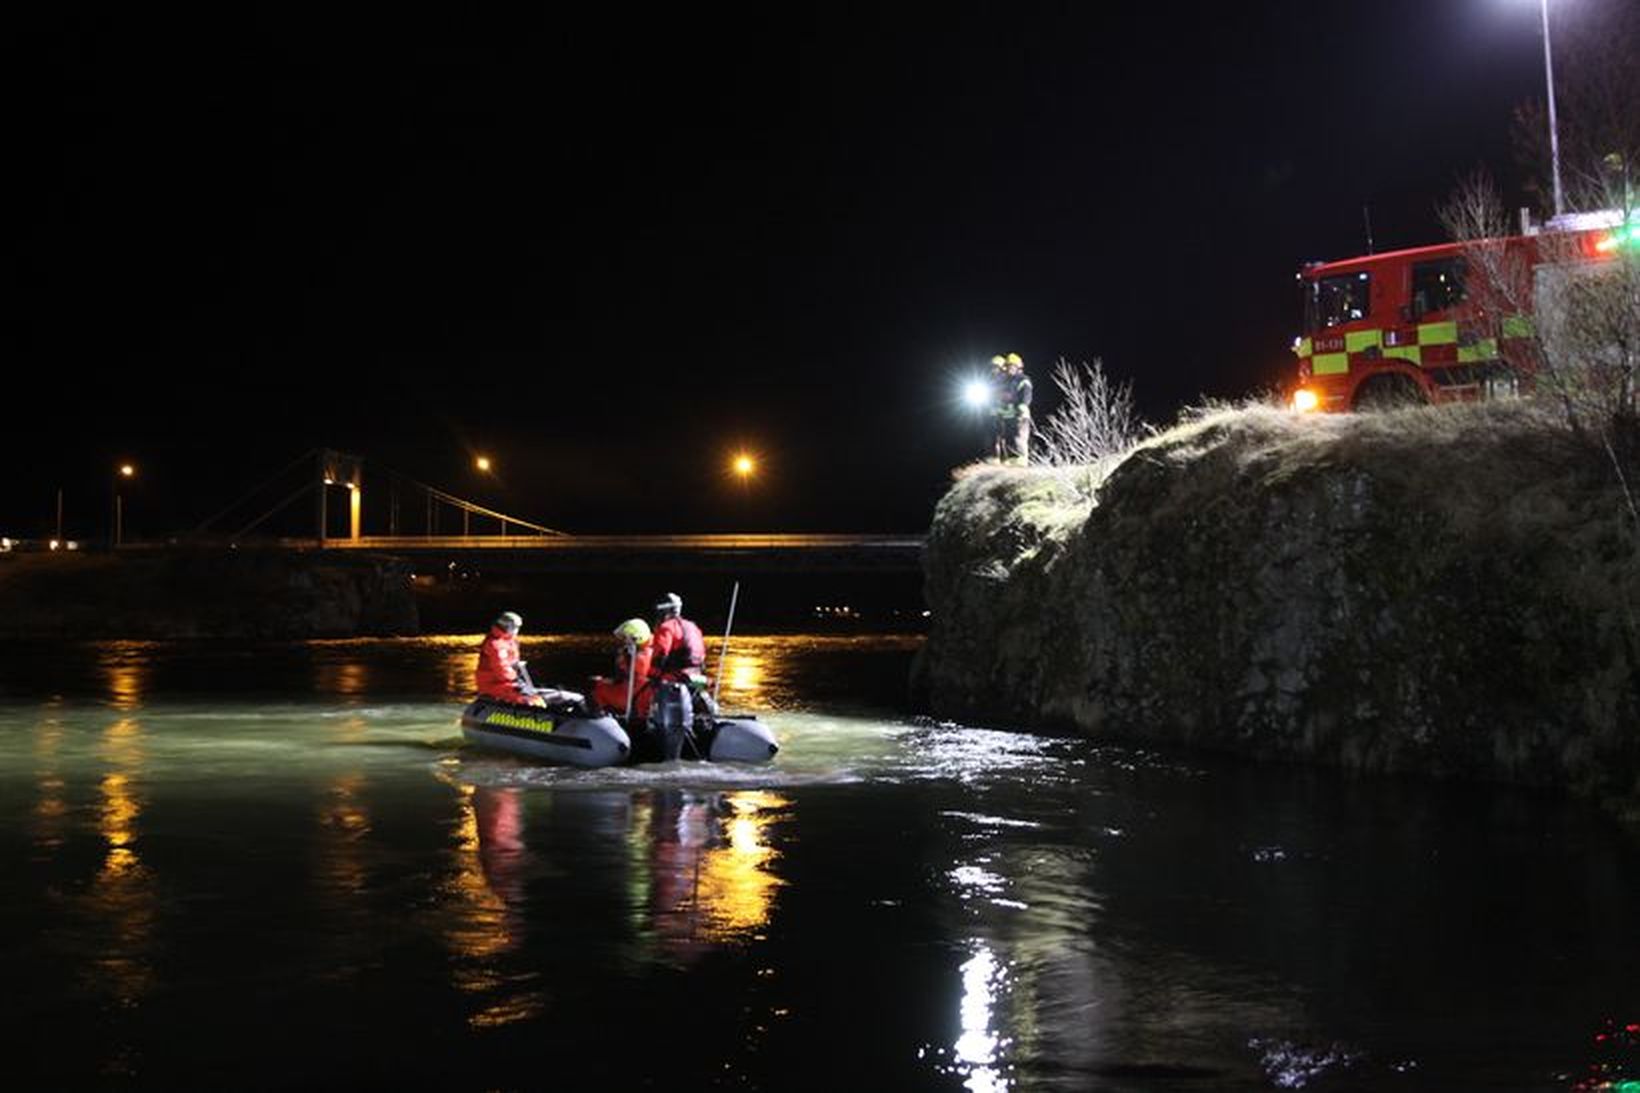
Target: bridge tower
pixel 339 469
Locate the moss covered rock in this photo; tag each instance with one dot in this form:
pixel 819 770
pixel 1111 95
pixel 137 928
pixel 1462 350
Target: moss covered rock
pixel 1454 592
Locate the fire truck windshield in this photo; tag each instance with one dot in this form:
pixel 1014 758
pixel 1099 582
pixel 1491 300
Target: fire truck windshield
pixel 1335 300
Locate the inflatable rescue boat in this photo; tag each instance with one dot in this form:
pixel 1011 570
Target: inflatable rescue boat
pixel 564 732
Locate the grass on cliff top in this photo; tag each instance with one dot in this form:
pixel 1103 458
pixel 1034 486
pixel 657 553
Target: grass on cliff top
pixel 1475 462
pixel 1051 502
pixel 1468 436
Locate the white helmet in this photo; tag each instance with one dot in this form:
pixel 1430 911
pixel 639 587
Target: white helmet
pixel 669 604
pixel 509 620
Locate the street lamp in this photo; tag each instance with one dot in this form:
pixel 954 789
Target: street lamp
pixel 744 466
pixel 1554 130
pixel 481 463
pixel 126 470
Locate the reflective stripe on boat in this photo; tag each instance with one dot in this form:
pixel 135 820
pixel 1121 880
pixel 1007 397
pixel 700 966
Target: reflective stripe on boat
pixel 528 734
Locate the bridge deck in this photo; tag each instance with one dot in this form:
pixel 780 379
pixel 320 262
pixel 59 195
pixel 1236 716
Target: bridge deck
pixel 738 542
pixel 546 553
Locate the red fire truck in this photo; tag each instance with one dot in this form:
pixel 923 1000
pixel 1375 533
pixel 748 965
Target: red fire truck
pixel 1445 323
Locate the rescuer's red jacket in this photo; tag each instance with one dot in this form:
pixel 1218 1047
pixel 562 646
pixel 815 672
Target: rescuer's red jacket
pixel 678 647
pixel 610 694
pixel 497 674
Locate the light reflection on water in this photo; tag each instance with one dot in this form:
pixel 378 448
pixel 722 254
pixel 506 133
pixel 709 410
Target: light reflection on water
pixel 713 875
pixel 743 680
pixel 121 903
pixel 46 823
pixel 344 826
pixel 964 908
pixel 700 874
pixel 350 679
pixel 979 1046
pixel 486 918
pixel 125 668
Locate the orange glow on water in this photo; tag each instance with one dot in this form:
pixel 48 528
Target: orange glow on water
pixel 738 885
pixel 125 668
pixel 486 886
pixel 122 898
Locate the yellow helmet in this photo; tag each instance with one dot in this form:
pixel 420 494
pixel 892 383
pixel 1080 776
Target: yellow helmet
pixel 1015 360
pixel 634 630
pixel 998 361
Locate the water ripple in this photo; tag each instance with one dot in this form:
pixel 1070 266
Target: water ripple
pixel 1294 1066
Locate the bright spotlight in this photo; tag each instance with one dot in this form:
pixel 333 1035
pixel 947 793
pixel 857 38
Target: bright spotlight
pixel 976 393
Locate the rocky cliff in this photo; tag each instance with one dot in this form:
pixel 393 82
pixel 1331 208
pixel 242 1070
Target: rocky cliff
pixel 204 594
pixel 1451 592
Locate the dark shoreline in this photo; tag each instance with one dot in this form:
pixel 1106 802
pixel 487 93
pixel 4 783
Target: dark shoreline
pixel 185 594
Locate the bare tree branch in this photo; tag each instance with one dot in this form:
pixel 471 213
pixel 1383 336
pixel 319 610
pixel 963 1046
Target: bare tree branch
pixel 1095 418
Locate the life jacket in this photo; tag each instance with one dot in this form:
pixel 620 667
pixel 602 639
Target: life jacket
pixel 497 674
pixel 679 649
pixel 644 657
pixel 610 694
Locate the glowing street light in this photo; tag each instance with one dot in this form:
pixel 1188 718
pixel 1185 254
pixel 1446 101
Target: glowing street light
pixel 744 466
pixel 126 471
pixel 482 464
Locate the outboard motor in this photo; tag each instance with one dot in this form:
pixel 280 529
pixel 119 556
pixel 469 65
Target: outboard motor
pixel 671 718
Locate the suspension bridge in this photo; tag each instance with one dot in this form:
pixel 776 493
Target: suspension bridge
pixel 425 524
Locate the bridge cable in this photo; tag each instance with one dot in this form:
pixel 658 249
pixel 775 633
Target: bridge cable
pixel 242 498
pixel 469 506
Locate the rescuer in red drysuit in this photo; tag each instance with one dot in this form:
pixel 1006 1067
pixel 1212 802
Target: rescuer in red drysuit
pixel 498 674
pixel 632 661
pixel 679 654
pixel 679 650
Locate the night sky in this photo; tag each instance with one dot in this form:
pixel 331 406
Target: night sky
pixel 608 246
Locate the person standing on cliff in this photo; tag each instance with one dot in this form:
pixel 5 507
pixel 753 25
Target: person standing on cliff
pixel 501 674
pixel 1012 409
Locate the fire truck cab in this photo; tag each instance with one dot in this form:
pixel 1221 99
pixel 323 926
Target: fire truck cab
pixel 1411 326
pixel 1387 330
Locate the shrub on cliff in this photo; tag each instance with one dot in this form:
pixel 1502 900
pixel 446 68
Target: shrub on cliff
pixel 1095 421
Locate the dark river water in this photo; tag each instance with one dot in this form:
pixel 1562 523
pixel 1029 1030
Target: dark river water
pixel 235 867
